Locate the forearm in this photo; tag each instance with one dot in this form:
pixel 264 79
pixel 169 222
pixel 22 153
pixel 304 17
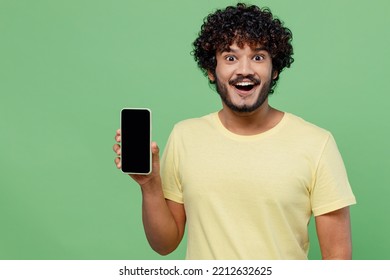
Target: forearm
pixel 163 224
pixel 160 226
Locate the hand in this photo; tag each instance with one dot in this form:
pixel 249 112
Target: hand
pixel 140 179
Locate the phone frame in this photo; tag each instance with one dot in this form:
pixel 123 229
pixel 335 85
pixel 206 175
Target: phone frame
pixel 150 140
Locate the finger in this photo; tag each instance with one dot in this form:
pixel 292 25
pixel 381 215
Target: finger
pixel 117 149
pixel 118 135
pixel 118 162
pixel 155 153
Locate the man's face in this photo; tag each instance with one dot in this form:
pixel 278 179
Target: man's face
pixel 243 77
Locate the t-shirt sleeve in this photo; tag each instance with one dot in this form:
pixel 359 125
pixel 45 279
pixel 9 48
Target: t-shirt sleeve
pixel 331 190
pixel 169 171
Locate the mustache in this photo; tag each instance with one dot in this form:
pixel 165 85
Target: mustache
pixel 241 78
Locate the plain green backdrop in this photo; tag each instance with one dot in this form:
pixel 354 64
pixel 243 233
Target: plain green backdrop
pixel 68 67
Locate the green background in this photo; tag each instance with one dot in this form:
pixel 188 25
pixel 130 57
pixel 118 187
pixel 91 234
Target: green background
pixel 68 67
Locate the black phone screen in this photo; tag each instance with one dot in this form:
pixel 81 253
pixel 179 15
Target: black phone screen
pixel 135 141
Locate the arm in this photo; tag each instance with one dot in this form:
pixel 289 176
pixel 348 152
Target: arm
pixel 164 220
pixel 334 234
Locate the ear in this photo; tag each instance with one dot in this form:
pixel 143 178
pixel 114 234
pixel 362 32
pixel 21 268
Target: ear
pixel 211 76
pixel 275 74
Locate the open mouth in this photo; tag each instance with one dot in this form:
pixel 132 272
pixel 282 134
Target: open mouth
pixel 244 86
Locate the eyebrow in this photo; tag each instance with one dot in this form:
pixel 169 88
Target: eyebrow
pixel 261 49
pixel 235 50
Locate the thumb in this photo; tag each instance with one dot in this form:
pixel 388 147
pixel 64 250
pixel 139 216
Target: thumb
pixel 155 154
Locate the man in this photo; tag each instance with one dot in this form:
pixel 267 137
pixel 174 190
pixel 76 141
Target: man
pixel 246 179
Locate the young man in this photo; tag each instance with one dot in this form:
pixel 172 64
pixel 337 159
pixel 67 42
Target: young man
pixel 246 179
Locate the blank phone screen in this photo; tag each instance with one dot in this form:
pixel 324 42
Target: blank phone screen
pixel 135 141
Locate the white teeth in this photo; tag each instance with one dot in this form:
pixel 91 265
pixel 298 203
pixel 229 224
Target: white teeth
pixel 245 84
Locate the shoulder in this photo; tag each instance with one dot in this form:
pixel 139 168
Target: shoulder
pixel 301 126
pixel 305 133
pixel 195 124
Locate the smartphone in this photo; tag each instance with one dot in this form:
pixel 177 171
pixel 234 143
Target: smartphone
pixel 136 130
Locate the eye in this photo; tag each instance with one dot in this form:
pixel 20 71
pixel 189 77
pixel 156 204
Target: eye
pixel 230 58
pixel 258 57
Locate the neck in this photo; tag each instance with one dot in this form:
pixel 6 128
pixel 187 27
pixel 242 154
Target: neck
pixel 256 122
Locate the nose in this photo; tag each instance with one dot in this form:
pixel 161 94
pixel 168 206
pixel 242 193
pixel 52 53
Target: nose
pixel 245 67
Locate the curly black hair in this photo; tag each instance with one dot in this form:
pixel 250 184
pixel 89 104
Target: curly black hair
pixel 242 25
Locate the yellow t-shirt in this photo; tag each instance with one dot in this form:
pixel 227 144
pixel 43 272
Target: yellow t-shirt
pixel 251 197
